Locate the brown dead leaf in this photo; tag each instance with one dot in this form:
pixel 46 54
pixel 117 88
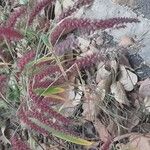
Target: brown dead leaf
pixel 124 61
pixel 137 141
pixel 61 5
pixel 119 93
pixel 147 103
pixel 144 89
pixel 102 130
pixel 72 99
pixel 103 87
pixel 104 80
pixel 128 78
pixel 102 72
pixel 114 66
pixel 85 45
pixel 140 142
pixel 5 135
pixel 89 109
pixel 126 41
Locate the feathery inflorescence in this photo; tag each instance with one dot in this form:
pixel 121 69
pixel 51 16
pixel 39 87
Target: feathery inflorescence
pixel 18 143
pixel 37 8
pixel 69 24
pixel 3 82
pixel 42 110
pixel 10 34
pixel 66 45
pixel 45 116
pixel 11 21
pixel 26 58
pixel 23 116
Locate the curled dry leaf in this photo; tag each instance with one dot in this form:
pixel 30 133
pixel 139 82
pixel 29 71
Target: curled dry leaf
pixel 147 103
pixel 124 61
pixel 61 5
pixel 128 79
pixel 126 41
pixel 89 106
pixel 119 93
pixel 89 110
pixel 3 137
pixel 102 72
pixel 104 80
pixel 114 69
pixel 72 99
pixel 136 142
pixel 114 66
pixel 85 45
pixel 104 87
pixel 102 131
pixel 144 89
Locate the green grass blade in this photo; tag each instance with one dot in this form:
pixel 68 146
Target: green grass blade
pixel 49 91
pixel 62 135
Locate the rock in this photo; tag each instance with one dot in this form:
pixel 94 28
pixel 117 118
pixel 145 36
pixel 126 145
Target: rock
pixel 103 9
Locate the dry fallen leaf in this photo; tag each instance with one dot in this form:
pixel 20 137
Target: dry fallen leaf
pixel 102 130
pixel 140 142
pixel 89 110
pixel 119 93
pixel 126 41
pixel 72 99
pixel 127 78
pixel 62 5
pixel 85 45
pixel 123 60
pixel 147 103
pixel 103 87
pixel 144 89
pixel 102 73
pixel 89 106
pixel 3 137
pixel 136 142
pixel 114 66
pixel 104 80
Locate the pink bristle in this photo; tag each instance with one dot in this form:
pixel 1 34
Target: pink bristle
pixel 38 7
pixel 69 24
pixel 18 143
pixel 10 34
pixel 14 16
pixel 26 58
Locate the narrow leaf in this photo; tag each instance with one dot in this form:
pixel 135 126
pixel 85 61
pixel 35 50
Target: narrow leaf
pixel 57 97
pixel 64 136
pixel 49 91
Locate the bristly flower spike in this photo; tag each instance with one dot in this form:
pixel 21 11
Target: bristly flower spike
pixel 66 45
pixel 26 117
pixel 23 116
pixel 14 16
pixel 87 61
pixel 38 7
pixel 10 34
pixel 67 25
pixel 26 58
pixel 18 143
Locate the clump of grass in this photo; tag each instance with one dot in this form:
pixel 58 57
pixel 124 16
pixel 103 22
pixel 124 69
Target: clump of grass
pixel 41 62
